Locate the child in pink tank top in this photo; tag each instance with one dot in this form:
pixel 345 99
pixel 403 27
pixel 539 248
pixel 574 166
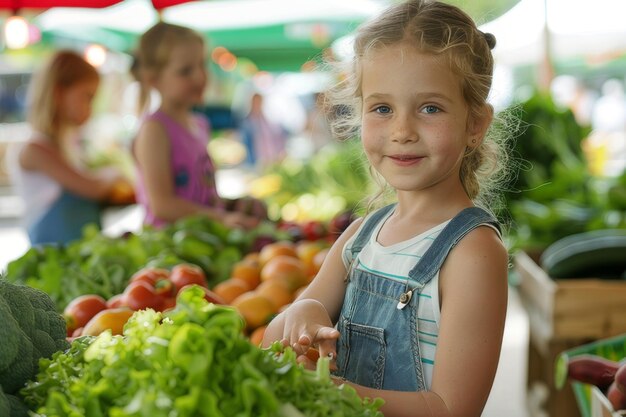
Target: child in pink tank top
pixel 176 176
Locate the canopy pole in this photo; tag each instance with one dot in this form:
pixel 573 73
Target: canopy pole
pixel 546 66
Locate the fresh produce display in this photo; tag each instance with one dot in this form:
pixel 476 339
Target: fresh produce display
pixel 98 289
pixel 31 329
pixel 150 287
pixel 553 193
pixel 264 283
pixel 333 180
pixel 592 369
pixel 102 265
pixel 193 360
pixel 602 364
pixel 608 375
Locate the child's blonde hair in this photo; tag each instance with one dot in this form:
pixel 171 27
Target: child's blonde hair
pixel 62 70
pixel 440 29
pixel 154 51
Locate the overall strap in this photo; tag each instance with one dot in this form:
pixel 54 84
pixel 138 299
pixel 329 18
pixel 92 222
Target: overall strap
pixel 463 223
pixel 368 227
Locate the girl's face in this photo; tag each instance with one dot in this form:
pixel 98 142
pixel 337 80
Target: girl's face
pixel 415 120
pixel 183 80
pixel 75 102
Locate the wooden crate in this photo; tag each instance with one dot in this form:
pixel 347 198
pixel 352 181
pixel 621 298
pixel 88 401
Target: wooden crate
pixel 563 314
pixel 600 405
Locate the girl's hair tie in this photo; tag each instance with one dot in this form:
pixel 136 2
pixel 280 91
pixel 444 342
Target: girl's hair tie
pixel 490 39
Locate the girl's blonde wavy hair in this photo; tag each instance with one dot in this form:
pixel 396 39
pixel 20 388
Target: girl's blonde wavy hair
pixel 444 30
pixel 154 51
pixel 62 70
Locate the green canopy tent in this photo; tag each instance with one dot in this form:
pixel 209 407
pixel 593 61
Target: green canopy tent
pixel 276 35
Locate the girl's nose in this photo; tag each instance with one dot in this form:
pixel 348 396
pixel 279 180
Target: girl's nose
pixel 404 129
pixel 202 75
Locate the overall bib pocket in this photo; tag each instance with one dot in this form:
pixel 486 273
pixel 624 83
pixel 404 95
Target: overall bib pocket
pixel 365 344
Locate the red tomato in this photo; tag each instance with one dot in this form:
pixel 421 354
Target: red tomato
pixel 81 309
pixel 116 301
pixel 314 230
pixel 140 295
pixel 164 288
pixel 150 275
pixel 168 303
pixel 186 274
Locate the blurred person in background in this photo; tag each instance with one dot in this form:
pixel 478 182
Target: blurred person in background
pixel 609 111
pixel 61 196
pixel 176 174
pixel 571 92
pixel 264 139
pixel 607 143
pixel 317 128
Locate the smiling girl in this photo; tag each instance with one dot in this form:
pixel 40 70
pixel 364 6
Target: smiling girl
pixel 411 299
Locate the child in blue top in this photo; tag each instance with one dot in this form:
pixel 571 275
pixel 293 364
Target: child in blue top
pixel 411 300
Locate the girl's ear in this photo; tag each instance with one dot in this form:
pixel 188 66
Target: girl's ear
pixel 478 126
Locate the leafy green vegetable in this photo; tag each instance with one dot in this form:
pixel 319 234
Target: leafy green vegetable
pixel 554 194
pixel 333 180
pixel 31 329
pixel 192 361
pixel 100 264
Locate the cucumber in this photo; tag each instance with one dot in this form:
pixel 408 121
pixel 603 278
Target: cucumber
pixel 595 254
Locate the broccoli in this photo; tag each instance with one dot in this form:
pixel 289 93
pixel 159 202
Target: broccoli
pixel 5 407
pixel 12 406
pixel 9 334
pixel 30 329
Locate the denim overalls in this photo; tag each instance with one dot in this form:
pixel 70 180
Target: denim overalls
pixel 65 219
pixel 378 344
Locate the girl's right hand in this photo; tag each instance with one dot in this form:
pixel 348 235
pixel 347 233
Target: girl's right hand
pixel 307 325
pixel 235 219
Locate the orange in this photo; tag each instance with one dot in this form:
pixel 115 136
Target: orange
pixel 248 272
pixel 231 289
pixel 256 337
pixel 112 318
pixel 272 250
pixel 276 291
pixel 286 269
pixel 252 258
pixel 306 251
pixel 256 309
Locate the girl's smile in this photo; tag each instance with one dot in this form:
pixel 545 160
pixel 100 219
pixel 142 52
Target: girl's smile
pixel 405 160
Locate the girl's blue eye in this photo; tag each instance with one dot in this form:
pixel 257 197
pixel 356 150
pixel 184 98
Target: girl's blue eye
pixel 431 109
pixel 383 109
